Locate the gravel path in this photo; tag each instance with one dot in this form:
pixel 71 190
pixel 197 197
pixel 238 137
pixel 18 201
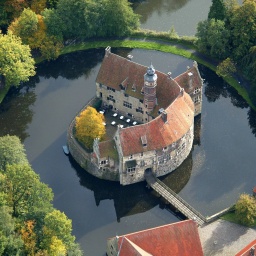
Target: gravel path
pixel 223 238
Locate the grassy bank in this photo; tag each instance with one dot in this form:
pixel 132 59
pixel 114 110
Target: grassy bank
pixel 159 41
pixel 231 216
pixel 163 47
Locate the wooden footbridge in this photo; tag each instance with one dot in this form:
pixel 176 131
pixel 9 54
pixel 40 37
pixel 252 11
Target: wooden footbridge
pixel 174 199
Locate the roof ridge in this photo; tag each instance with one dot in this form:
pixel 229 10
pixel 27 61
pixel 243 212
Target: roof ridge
pixel 138 248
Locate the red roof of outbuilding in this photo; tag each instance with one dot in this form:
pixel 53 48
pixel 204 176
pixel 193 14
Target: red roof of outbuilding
pixel 246 251
pixel 160 134
pixel 175 239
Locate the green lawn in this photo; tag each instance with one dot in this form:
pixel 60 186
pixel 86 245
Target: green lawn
pixel 231 216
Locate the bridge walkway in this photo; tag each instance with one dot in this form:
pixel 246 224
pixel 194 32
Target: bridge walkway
pixel 174 199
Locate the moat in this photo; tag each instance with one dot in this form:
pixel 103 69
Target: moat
pixel 219 168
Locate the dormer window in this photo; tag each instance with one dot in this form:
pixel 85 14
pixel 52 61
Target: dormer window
pixel 144 141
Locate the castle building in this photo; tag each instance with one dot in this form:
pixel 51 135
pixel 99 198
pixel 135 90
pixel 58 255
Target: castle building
pixel 164 108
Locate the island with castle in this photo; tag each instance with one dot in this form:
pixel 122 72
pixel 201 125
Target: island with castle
pixel 163 109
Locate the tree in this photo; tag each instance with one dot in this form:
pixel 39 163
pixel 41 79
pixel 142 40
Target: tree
pixel 57 232
pixel 245 209
pixel 225 68
pixel 217 10
pixel 89 126
pixel 243 25
pixel 25 26
pixel 10 242
pixel 25 191
pixel 117 18
pixel 16 63
pixel 31 28
pixel 213 38
pixel 11 152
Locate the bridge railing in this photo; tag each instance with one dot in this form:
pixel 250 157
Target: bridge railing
pixel 181 200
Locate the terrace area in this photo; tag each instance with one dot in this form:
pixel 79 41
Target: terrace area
pixel 113 119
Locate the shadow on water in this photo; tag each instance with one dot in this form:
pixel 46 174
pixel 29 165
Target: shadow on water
pixel 71 66
pixel 138 198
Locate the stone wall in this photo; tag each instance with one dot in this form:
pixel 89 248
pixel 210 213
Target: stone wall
pixel 85 159
pixel 161 162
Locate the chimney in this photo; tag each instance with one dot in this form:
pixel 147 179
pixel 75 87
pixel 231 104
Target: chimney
pixel 144 140
pixel 164 116
pixel 169 74
pixel 107 51
pixel 182 92
pixel 129 57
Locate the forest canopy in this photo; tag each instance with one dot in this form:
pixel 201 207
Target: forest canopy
pixel 29 224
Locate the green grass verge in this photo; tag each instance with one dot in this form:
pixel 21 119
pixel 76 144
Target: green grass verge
pixel 231 216
pixel 158 46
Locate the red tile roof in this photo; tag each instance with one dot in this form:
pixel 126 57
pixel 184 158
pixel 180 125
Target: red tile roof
pixel 174 239
pixel 246 251
pixel 116 70
pixel 183 79
pixel 180 117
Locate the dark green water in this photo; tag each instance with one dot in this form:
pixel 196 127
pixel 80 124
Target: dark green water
pixel 220 167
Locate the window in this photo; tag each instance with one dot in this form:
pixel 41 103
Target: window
pixel 197 99
pixel 165 148
pixel 104 162
pixel 126 95
pixel 141 101
pixel 131 156
pixel 139 109
pixel 111 89
pixel 130 169
pixel 197 89
pixel 141 154
pixel 127 104
pixel 111 97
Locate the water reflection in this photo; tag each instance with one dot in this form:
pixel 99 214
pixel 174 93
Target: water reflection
pixel 135 198
pixel 147 8
pixel 15 112
pixel 71 66
pixel 215 87
pixel 252 120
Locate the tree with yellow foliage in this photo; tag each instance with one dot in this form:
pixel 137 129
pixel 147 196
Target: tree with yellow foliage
pixel 89 126
pixel 245 209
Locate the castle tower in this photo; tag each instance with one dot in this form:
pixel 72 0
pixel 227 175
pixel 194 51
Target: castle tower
pixel 150 83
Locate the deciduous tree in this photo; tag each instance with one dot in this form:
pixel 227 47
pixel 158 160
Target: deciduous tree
pixel 16 62
pixel 243 25
pixel 11 152
pixel 89 126
pixel 245 209
pixel 225 68
pixel 25 191
pixel 213 38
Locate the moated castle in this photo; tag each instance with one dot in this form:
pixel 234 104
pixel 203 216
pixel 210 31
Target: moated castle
pixel 164 108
